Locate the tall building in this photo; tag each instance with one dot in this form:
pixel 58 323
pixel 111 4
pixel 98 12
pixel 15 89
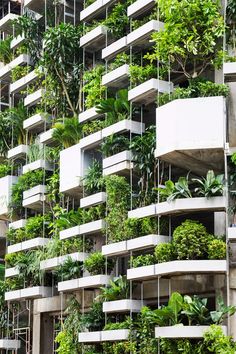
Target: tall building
pixel 117 176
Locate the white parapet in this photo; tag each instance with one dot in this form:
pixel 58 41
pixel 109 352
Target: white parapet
pixel 21 84
pixel 123 126
pixel 90 337
pixel 118 164
pixel 122 306
pixel 116 78
pixel 38 164
pixel 20 60
pixel 115 48
pixel 6 22
pixel 37 122
pixel 139 7
pixel 94 281
pixel 88 115
pixel 94 9
pixel 114 335
pixel 6 184
pixel 68 285
pixel 52 263
pixel 29 293
pixel 46 138
pixel 18 224
pixel 94 199
pixel 17 152
pixel 143 33
pixel 95 39
pixel 181 331
pixel 11 272
pixel 16 41
pixel 28 245
pixel 33 98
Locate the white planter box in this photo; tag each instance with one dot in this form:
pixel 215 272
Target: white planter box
pixel 147 92
pixel 47 137
pixel 143 212
pixel 94 281
pixel 115 48
pixel 232 233
pixel 91 200
pixel 28 245
pixel 18 224
pixel 51 263
pixel 17 152
pixel 35 202
pixel 68 233
pixel 123 126
pixel 229 70
pixel 38 164
pixel 88 115
pixel 40 189
pixel 115 249
pixel 10 344
pixel 181 120
pixel 20 60
pixel 122 306
pixel 115 335
pixel 6 22
pixel 89 337
pixel 147 241
pixel 6 184
pixel 180 331
pixel 17 41
pixel 142 34
pixel 141 273
pixel 94 9
pixel 71 170
pixel 117 78
pixel 21 84
pixel 139 7
pixel 95 39
pixel 68 285
pixel 92 227
pixel 118 164
pixel 29 293
pixel 91 141
pixel 11 272
pixel 117 158
pixel 189 266
pixel 37 122
pixel 33 98
pixel 191 205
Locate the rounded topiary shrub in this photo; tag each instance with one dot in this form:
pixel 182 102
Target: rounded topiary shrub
pixel 190 240
pixel 164 252
pixel 217 249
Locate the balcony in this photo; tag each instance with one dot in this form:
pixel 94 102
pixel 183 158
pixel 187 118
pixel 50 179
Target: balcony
pixel 114 335
pixel 10 344
pixel 93 281
pixel 32 244
pixel 22 83
pixel 92 200
pixel 115 48
pixel 189 145
pixel 122 127
pixel 6 184
pixel 36 292
pixel 11 272
pixel 94 9
pixel 88 115
pixel 178 206
pixel 37 165
pixel 35 198
pixel 95 39
pixel 147 92
pixel 117 78
pixel 17 41
pixel 174 268
pixel 229 70
pixel 33 98
pixel 37 122
pixel 46 138
pixel 141 36
pixel 120 164
pixel 181 331
pixel 18 224
pixel 52 263
pixel 139 8
pixel 5 71
pixel 93 227
pixel 121 306
pixel 91 141
pixel 18 152
pixel 6 23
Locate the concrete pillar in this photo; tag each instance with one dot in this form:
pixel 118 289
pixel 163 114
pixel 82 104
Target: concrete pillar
pixel 36 333
pixel 219 223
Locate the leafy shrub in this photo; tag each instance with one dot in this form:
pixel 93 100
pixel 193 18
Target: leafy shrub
pixel 164 252
pixel 139 74
pixel 211 186
pixel 92 88
pixel 216 249
pixel 94 320
pixel 118 325
pixel 117 289
pixel 96 263
pixel 142 260
pixel 5 169
pixel 215 341
pixel 93 181
pixel 70 269
pixel 190 240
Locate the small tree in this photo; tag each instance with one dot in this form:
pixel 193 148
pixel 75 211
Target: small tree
pixel 189 42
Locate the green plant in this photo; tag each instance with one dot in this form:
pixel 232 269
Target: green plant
pixel 215 341
pixel 118 325
pixel 96 263
pixel 94 320
pixel 164 252
pixel 190 240
pixel 211 186
pixel 142 260
pixel 19 71
pixel 114 144
pixel 5 169
pixel 68 132
pixel 6 54
pixel 120 59
pixel 117 289
pixel 117 21
pixel 93 126
pixel 172 191
pixel 143 148
pixel 139 74
pixel 116 109
pixel 178 45
pixel 216 249
pixel 92 88
pixel 70 269
pixel 93 181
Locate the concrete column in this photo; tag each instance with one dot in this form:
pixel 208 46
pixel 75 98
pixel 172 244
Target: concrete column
pixel 36 333
pixel 219 223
